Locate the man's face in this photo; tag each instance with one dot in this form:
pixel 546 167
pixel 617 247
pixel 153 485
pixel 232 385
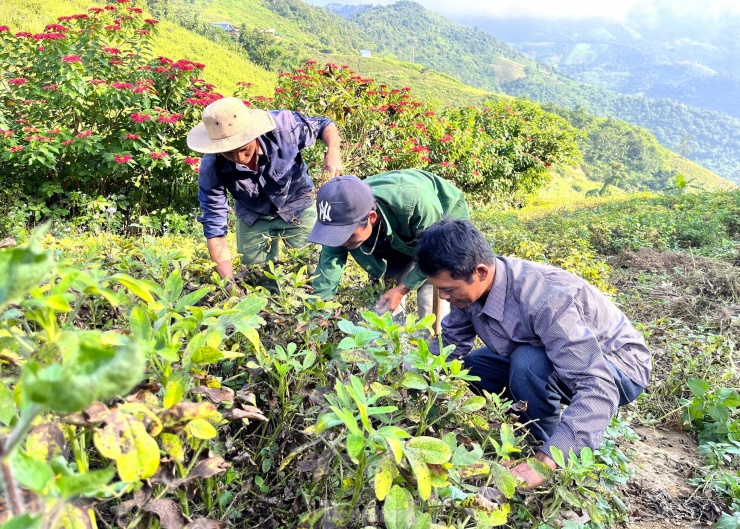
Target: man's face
pixel 459 292
pixel 361 234
pixel 244 154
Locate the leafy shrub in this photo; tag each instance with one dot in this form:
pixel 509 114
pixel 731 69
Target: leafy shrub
pixel 86 115
pixel 497 152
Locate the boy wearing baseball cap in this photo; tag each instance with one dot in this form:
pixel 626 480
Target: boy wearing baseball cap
pixel 378 222
pixel 255 155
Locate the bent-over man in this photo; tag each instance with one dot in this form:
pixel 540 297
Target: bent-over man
pixel 378 221
pixel 255 155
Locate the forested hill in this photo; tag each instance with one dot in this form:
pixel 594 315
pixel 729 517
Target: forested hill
pixel 409 31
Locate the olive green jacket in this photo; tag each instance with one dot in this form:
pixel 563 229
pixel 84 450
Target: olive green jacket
pixel 408 201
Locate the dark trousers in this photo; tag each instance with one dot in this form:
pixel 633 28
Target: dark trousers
pixel 528 375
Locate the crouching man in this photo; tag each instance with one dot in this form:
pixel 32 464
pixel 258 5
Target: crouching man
pixel 550 338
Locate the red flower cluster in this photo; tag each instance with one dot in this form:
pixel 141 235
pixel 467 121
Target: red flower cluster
pixel 135 10
pixel 191 160
pixel 3 29
pixel 112 51
pixel 113 27
pixel 67 142
pixel 122 86
pixel 57 28
pixel 6 133
pixel 143 31
pixel 158 155
pixel 28 128
pixel 49 36
pixel 140 118
pixel 81 16
pixel 130 136
pixel 97 81
pixel 51 87
pixel 72 58
pixel 23 34
pixel 95 10
pixel 151 21
pixel 125 158
pixel 172 118
pixel 445 138
pixel 18 81
pixel 84 134
pixel 16 148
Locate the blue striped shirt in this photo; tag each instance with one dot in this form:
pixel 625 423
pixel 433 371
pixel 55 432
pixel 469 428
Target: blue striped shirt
pixel 540 305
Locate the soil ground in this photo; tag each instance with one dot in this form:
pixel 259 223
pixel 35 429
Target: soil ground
pixel 692 291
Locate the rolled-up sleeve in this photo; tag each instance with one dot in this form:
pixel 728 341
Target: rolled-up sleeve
pixel 213 200
pixel 574 350
pixel 309 129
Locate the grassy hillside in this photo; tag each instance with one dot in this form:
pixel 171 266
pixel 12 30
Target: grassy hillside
pixel 224 66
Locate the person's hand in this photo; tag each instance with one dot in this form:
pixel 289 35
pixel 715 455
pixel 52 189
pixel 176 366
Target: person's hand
pixel 391 299
pixel 232 289
pixel 524 472
pixel 333 163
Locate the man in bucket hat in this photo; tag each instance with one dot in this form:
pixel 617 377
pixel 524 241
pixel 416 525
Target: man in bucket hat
pixel 378 222
pixel 256 156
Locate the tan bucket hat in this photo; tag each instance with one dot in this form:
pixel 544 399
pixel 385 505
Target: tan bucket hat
pixel 227 125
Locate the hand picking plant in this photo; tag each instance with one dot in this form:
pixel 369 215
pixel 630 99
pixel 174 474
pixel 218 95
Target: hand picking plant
pixel 86 113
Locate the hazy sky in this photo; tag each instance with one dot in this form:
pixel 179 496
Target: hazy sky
pixel 616 10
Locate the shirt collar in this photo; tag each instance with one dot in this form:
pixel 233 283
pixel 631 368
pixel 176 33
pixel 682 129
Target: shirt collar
pixel 494 306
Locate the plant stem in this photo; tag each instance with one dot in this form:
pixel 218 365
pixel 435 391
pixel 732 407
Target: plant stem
pixel 15 498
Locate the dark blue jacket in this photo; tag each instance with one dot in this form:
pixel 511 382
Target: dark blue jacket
pixel 280 184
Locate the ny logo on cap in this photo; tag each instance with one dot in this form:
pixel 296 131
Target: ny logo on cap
pixel 324 210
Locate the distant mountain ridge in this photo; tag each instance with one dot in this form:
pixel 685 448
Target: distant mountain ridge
pixel 694 65
pixel 409 31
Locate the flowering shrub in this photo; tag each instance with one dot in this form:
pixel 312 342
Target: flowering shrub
pixel 85 114
pixel 499 151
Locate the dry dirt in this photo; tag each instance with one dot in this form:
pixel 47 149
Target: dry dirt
pixel 659 493
pixel 686 289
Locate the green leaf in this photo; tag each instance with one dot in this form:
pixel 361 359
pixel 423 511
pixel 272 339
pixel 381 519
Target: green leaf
pixel 91 370
pixel 441 387
pixel 507 435
pixel 24 521
pixel 140 324
pixel 421 471
pixel 385 472
pixel 8 408
pixel 698 386
pixel 22 269
pixel 173 286
pixel 58 303
pixel 424 521
pixel 30 472
pixel 473 404
pixel 398 509
pixel 135 286
pixel 461 456
pixel 85 484
pixel 557 456
pixel 206 355
pixel 355 444
pixel 201 429
pixel 413 380
pixel 431 450
pixel 504 480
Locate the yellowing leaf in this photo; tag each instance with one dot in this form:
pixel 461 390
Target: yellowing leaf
pixel 384 474
pixel 201 429
pixel 173 445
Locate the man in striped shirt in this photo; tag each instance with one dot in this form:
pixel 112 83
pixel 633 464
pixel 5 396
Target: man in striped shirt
pixel 550 338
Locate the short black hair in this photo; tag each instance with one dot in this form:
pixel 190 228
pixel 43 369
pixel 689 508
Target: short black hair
pixel 453 245
pixel 363 222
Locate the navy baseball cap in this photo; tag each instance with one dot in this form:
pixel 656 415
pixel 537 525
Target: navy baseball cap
pixel 341 203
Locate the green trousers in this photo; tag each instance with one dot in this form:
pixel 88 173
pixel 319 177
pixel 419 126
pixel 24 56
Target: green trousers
pixel 259 243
